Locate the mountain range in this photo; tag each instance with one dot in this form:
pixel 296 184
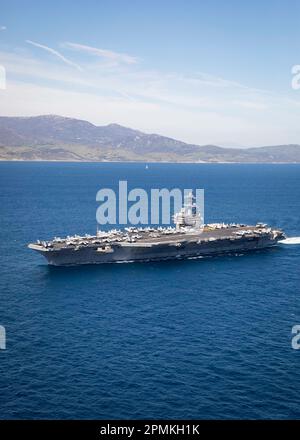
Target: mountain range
pixel 57 138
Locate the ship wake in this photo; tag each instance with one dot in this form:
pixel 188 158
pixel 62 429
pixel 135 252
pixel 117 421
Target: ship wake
pixel 290 240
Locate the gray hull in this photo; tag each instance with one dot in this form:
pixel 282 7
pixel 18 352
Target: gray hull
pixel 155 252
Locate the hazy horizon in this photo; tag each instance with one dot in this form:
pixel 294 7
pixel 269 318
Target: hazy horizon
pixel 143 131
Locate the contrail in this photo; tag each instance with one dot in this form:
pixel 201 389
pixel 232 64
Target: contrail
pixel 109 54
pixel 56 53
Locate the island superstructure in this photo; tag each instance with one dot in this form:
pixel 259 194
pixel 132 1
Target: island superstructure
pixel 188 239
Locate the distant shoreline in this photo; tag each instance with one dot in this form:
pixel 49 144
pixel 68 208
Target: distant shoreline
pixel 147 162
pixel 53 138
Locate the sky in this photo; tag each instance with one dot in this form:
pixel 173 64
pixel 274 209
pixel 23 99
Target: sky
pixel 203 72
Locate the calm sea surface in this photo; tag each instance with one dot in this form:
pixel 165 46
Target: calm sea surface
pixel 208 338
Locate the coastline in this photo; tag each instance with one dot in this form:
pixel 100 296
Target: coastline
pixel 149 161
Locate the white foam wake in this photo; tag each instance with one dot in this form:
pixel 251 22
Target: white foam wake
pixel 290 240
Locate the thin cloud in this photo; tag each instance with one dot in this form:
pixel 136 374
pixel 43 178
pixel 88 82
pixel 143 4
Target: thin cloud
pixel 175 104
pixel 3 28
pixel 54 52
pixel 108 54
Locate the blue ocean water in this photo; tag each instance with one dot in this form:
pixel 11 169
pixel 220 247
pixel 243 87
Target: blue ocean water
pixel 208 338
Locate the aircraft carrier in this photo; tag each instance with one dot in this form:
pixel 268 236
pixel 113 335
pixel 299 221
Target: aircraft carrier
pixel 188 239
